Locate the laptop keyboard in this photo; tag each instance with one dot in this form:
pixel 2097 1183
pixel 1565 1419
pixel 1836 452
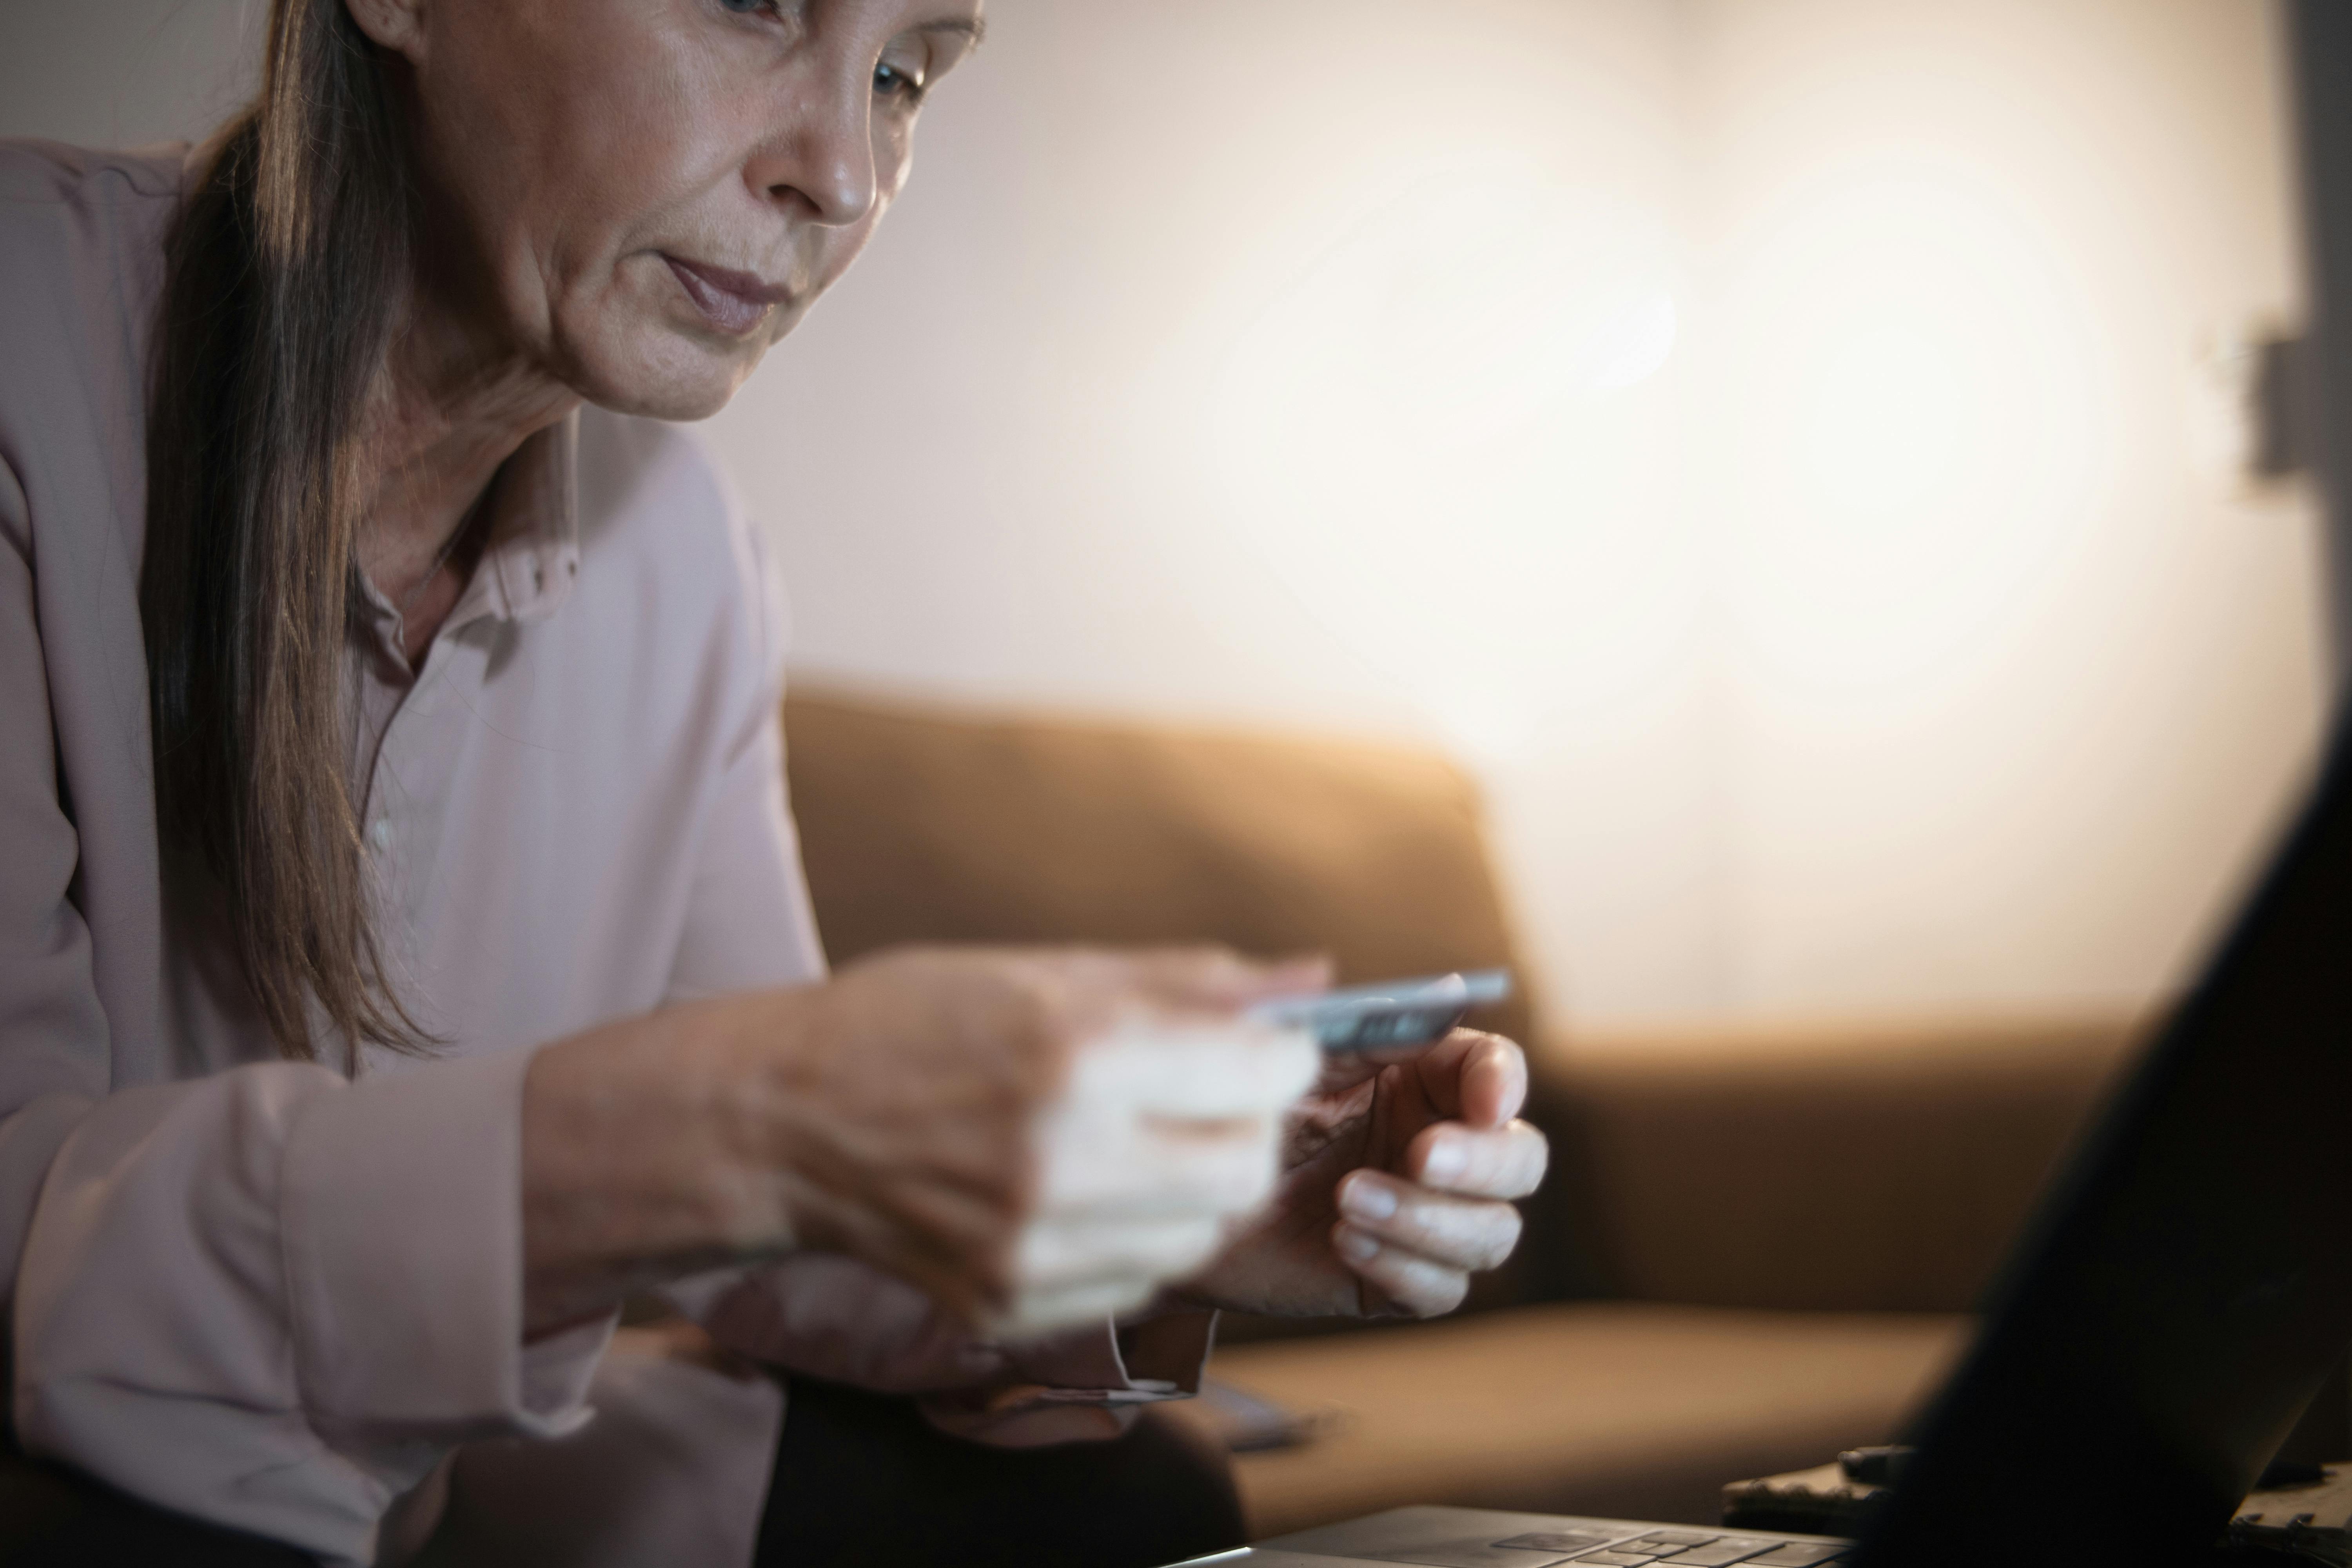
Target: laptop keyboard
pixel 1680 1549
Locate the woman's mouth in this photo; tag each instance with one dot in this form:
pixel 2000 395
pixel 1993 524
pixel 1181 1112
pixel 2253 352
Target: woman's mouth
pixel 734 302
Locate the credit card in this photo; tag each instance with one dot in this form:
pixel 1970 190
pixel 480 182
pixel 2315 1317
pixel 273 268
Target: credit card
pixel 1393 1012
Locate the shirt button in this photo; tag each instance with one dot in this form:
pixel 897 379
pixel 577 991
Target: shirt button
pixel 380 833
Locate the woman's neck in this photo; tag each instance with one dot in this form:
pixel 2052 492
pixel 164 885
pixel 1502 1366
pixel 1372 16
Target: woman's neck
pixel 449 410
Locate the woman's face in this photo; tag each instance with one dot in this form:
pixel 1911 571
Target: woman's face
pixel 641 196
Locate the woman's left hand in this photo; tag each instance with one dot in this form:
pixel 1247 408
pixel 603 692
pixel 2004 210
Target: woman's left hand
pixel 1397 1178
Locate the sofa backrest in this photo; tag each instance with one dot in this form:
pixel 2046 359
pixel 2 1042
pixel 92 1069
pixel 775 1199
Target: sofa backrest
pixel 1852 1166
pixel 928 826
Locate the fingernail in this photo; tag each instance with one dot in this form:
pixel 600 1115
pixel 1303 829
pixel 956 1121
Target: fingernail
pixel 1446 1158
pixel 1355 1246
pixel 1368 1199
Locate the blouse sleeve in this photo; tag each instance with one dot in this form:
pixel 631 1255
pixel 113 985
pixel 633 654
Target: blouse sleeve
pixel 268 1298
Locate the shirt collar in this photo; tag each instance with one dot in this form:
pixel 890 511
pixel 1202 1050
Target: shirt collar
pixel 533 557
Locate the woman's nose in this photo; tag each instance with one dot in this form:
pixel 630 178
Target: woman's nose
pixel 821 154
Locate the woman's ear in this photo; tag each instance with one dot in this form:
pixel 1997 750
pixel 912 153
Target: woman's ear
pixel 396 25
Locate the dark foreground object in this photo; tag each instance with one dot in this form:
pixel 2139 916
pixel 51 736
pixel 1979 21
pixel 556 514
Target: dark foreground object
pixel 51 1517
pixel 2186 1288
pixel 861 1478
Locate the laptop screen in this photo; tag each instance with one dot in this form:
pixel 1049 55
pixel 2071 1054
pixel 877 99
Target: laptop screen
pixel 2190 1281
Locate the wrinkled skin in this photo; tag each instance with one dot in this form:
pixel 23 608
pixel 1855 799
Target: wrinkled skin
pixel 569 146
pixel 890 1115
pixel 569 152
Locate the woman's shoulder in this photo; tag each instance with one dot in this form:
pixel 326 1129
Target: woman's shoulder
pixel 72 212
pixel 81 247
pixel 81 244
pixel 36 173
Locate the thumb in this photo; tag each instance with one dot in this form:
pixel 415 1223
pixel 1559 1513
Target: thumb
pixel 1481 1079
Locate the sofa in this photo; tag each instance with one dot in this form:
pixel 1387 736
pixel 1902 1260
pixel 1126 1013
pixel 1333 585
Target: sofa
pixel 1757 1245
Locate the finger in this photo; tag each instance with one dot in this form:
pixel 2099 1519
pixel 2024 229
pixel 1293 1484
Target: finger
pixel 1416 1285
pixel 1035 1314
pixel 1477 1077
pixel 1220 979
pixel 1060 1251
pixel 1186 1085
pixel 1506 1163
pixel 1115 1151
pixel 1473 1234
pixel 1436 1068
pixel 1470 1074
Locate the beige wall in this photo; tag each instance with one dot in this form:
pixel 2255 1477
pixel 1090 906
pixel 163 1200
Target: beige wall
pixel 2015 689
pixel 1300 364
pixel 121 73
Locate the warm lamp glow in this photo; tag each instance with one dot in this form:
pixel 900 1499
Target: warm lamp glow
pixel 1430 434
pixel 1909 400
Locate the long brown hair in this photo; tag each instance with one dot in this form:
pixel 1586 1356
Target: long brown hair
pixel 284 274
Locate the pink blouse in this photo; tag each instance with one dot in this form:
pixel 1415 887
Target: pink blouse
pixel 288 1298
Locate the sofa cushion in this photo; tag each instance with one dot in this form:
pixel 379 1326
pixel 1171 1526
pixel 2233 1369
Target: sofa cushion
pixel 1625 1410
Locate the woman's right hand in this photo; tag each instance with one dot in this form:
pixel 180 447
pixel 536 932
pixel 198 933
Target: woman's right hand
pixel 1030 1136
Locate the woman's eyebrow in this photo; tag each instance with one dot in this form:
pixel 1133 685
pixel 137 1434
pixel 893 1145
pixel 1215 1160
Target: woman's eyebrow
pixel 973 28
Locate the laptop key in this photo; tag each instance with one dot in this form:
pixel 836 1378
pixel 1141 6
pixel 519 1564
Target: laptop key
pixel 1477 1552
pixel 1618 1558
pixel 1722 1550
pixel 1554 1541
pixel 1798 1554
pixel 1668 1540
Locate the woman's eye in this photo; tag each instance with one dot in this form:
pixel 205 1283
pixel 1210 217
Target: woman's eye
pixel 891 82
pixel 747 7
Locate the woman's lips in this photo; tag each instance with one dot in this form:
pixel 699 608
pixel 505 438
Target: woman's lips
pixel 734 302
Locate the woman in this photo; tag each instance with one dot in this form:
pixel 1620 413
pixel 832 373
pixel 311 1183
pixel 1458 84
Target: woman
pixel 404 957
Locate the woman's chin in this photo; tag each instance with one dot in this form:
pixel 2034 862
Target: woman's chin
pixel 674 376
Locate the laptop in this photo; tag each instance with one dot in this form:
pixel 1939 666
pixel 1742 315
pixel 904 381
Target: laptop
pixel 2174 1306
